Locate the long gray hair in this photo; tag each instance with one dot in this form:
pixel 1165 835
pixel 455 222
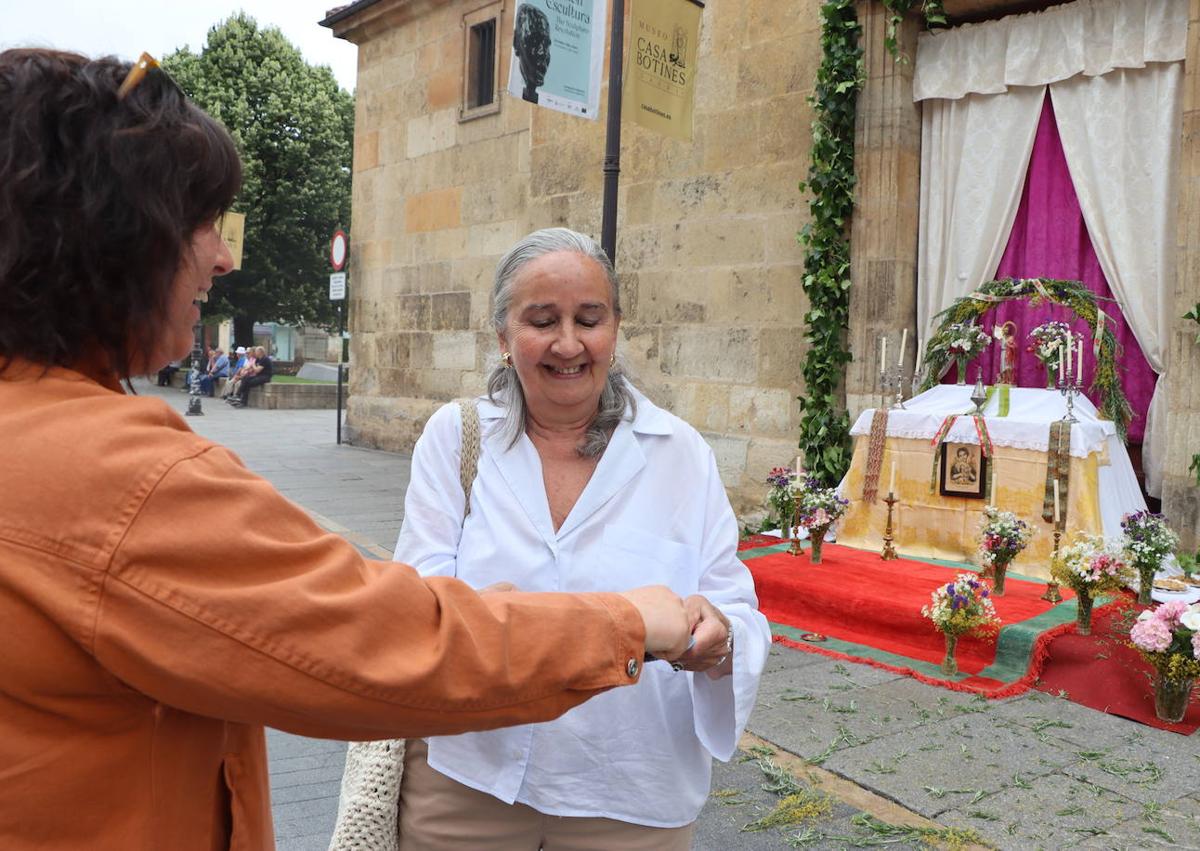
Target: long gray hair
pixel 503 382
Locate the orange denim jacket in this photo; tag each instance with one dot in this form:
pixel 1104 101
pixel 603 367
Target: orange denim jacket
pixel 140 660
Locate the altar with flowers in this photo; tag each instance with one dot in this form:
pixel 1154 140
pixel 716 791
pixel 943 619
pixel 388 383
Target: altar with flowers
pixel 1016 423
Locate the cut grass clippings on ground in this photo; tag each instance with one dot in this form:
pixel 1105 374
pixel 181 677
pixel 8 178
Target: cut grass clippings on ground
pixel 798 804
pixel 876 833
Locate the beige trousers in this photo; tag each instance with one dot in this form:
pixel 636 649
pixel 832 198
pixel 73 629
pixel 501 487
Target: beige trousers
pixel 440 814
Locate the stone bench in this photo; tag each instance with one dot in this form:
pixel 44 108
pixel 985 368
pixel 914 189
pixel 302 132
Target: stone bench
pixel 274 396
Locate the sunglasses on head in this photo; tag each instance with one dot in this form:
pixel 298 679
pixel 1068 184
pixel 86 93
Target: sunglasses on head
pixel 140 70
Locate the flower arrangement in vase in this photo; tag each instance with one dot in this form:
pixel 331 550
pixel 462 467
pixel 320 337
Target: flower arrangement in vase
pixel 1168 637
pixel 1002 537
pixel 1089 568
pixel 961 607
pixel 782 497
pixel 1047 343
pixel 1148 540
pixel 963 341
pixel 817 508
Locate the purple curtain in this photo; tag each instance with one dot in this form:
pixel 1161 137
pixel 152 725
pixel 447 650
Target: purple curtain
pixel 1050 240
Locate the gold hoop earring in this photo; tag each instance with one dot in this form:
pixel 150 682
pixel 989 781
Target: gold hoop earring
pixel 612 359
pixel 506 359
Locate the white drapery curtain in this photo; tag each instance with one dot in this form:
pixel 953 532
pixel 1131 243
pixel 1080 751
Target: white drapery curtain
pixel 974 154
pixel 1121 134
pixel 1088 37
pixel 1114 71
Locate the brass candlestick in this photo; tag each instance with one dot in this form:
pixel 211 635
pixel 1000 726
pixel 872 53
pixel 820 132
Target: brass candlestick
pixel 889 551
pixel 1052 595
pixel 795 550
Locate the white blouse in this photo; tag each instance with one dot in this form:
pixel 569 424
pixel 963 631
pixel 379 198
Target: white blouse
pixel 654 512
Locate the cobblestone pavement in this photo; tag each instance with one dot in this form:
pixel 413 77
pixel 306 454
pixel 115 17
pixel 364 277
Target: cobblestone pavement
pixel 872 758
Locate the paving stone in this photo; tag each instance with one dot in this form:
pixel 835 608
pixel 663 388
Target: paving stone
pixel 1146 768
pixel 737 799
pixel 966 753
pixel 1055 718
pixel 1176 825
pixel 1052 811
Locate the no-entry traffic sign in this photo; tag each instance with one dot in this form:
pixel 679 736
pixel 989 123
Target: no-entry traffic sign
pixel 338 248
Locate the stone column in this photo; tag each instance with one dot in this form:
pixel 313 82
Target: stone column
pixel 883 253
pixel 1181 496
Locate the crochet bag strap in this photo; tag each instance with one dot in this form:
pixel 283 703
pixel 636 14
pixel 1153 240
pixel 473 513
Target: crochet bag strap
pixel 469 452
pixel 369 804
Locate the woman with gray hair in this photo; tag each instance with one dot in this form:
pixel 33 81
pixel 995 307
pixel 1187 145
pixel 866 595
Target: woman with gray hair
pixel 585 485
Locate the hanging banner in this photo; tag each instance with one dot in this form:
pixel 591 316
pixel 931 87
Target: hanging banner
pixel 232 227
pixel 558 54
pixel 660 74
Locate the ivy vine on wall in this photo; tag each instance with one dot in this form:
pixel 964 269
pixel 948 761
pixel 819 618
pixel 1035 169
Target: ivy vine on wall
pixel 824 421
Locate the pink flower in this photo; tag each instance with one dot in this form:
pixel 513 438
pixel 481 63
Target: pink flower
pixel 1151 634
pixel 1196 645
pixel 1170 613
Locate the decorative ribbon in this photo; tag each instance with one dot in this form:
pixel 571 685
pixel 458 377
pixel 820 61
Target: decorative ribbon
pixel 875 445
pixel 986 448
pixel 1058 467
pixel 1004 400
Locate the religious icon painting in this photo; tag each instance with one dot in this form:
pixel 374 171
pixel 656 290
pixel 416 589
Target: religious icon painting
pixel 963 471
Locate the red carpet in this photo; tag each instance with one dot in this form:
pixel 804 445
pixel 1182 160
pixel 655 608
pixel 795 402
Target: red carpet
pixel 869 611
pixel 1103 672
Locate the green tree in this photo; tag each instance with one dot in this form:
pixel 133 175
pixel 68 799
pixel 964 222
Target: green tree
pixel 295 130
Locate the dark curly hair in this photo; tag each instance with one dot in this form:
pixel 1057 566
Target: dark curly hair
pixel 99 199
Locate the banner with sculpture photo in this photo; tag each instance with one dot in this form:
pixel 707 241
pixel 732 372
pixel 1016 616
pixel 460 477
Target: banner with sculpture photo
pixel 661 72
pixel 558 54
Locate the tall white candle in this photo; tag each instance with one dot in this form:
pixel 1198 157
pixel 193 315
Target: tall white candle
pixel 883 354
pixel 799 458
pixel 903 343
pixel 1060 364
pixel 1056 501
pixel 920 346
pixel 892 484
pixel 1079 364
pixel 1070 347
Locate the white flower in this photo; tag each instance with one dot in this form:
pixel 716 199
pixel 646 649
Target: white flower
pixel 1146 615
pixel 1191 618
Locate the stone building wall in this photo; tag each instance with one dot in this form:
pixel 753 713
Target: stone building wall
pixel 1181 496
pixel 707 254
pixel 709 264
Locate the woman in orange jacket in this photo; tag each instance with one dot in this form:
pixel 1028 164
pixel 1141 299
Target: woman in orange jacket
pixel 139 664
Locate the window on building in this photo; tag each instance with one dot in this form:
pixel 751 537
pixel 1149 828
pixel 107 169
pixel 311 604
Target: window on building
pixel 481 62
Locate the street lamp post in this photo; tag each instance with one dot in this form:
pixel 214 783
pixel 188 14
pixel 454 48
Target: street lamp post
pixel 194 408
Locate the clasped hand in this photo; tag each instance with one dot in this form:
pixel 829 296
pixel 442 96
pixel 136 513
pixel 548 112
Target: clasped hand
pixel 712 651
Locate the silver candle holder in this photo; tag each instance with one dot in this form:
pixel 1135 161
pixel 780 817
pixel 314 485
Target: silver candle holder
pixel 892 382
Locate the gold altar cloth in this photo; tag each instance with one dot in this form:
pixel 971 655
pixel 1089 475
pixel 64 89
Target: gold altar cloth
pixel 928 525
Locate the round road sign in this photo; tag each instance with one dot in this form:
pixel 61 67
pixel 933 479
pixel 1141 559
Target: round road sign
pixel 338 250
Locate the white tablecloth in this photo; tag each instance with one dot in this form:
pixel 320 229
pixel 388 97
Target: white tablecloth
pixel 1027 426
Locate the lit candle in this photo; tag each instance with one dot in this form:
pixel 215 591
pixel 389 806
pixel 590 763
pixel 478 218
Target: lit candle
pixel 1056 501
pixel 903 343
pixel 883 354
pixel 1079 364
pixel 892 485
